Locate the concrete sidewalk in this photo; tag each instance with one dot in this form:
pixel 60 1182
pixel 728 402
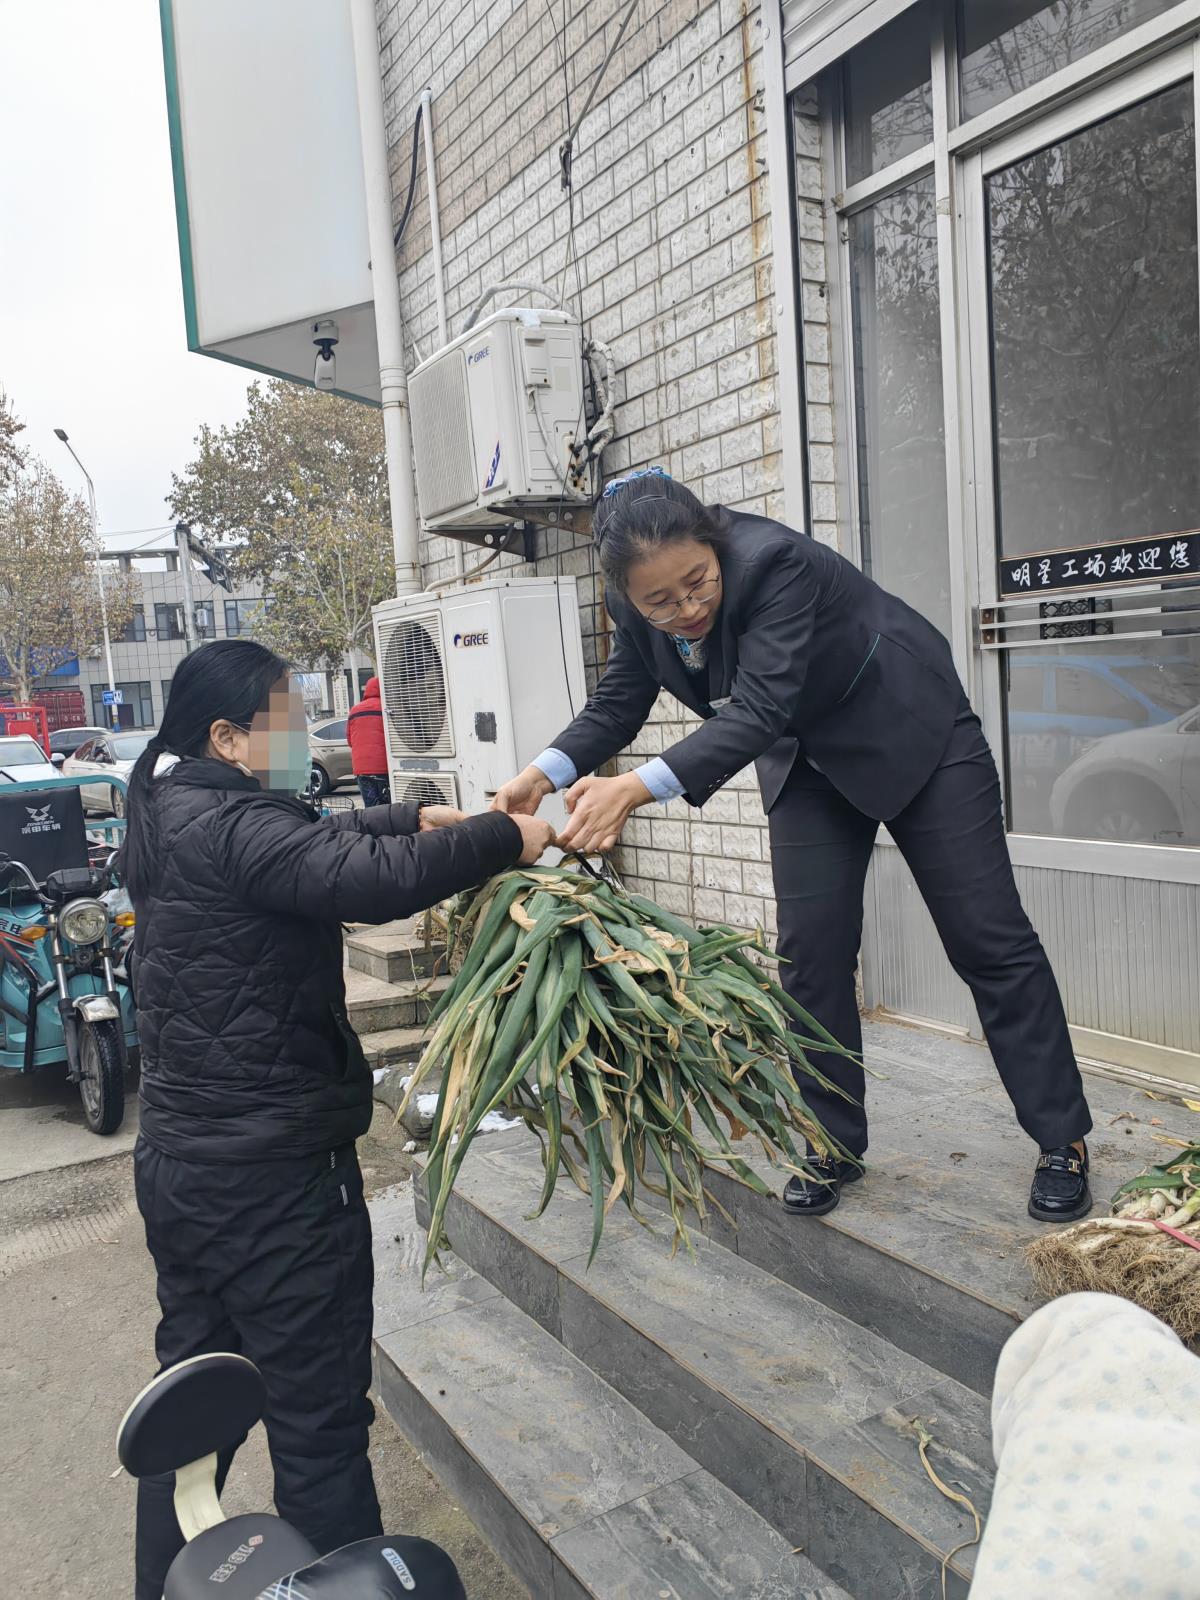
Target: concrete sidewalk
pixel 78 1312
pixel 42 1126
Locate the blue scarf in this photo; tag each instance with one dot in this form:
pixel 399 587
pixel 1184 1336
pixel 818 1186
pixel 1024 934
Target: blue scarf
pixel 692 652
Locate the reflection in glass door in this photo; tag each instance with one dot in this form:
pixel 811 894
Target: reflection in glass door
pixel 899 414
pixel 1095 348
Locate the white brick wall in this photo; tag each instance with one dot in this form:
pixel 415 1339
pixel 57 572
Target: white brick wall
pixel 673 238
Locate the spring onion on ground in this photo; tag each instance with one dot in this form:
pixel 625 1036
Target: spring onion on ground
pixel 639 1048
pixel 1148 1250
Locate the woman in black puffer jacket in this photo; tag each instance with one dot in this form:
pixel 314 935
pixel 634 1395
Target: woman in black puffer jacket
pixel 254 1086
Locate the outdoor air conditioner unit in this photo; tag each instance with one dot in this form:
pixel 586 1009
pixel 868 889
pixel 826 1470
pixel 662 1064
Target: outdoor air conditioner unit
pixel 475 683
pixel 495 414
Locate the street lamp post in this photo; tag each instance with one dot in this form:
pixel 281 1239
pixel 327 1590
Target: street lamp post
pixel 60 433
pixel 183 544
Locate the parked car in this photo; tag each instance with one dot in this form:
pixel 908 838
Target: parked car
pixel 330 756
pixel 1059 706
pixel 66 741
pixel 22 760
pixel 107 756
pixel 1141 787
pixel 1089 697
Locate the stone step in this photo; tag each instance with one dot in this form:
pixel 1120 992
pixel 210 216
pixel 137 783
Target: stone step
pixel 580 1495
pixel 928 1250
pixel 394 1046
pixel 395 953
pixel 376 1007
pixel 803 1414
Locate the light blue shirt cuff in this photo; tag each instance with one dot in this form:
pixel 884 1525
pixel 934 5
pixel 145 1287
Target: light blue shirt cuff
pixel 660 780
pixel 560 769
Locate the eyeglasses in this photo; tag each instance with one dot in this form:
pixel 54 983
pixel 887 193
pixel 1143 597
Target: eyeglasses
pixel 699 595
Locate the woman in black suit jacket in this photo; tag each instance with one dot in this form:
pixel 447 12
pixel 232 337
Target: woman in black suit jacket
pixel 848 703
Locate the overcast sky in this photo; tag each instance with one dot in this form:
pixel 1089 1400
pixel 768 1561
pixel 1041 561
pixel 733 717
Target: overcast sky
pixel 91 311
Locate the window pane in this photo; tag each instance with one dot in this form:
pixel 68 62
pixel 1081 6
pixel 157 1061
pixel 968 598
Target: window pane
pixel 168 620
pixel 1096 333
pixel 1081 691
pixel 1006 45
pixel 1111 756
pixel 1025 688
pixel 898 399
pixel 889 101
pixel 1096 379
pixel 240 615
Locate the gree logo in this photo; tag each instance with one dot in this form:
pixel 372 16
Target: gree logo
pixel 467 641
pixel 478 355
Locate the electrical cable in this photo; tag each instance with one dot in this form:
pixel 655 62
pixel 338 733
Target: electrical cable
pixel 600 435
pixel 571 258
pixel 551 449
pixel 459 577
pixel 509 283
pixel 566 153
pixel 135 549
pixel 412 181
pixel 128 533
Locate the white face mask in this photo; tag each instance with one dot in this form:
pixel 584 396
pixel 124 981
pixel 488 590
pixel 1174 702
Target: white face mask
pixel 279 755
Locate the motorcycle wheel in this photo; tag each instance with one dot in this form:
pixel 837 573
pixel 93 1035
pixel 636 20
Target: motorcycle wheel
pixel 102 1080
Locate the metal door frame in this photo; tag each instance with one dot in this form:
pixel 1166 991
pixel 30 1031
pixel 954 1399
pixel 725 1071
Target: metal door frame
pixel 1161 52
pixel 1174 864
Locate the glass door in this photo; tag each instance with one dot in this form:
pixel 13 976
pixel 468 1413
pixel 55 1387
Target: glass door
pixel 1085 341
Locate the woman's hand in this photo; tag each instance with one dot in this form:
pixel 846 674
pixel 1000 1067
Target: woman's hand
pixel 537 837
pixel 522 795
pixel 434 817
pixel 600 808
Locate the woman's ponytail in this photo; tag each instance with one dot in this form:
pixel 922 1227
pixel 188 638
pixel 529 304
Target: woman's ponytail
pixel 141 824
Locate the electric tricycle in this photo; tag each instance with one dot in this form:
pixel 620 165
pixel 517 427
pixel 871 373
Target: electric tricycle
pixel 65 935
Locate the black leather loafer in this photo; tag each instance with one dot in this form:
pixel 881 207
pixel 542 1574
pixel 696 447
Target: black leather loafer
pixel 1060 1190
pixel 815 1197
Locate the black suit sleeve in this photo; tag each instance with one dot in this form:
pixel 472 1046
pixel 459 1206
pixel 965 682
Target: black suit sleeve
pixel 774 638
pixel 283 863
pixel 615 714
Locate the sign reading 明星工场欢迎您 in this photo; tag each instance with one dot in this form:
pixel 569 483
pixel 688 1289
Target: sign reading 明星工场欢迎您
pixel 1097 566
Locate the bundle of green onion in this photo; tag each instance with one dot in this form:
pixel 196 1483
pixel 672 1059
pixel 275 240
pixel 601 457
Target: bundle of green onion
pixel 637 1047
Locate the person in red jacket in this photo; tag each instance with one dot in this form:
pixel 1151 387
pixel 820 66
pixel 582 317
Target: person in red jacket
pixel 368 751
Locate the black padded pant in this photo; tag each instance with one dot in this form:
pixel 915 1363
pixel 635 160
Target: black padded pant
pixel 272 1261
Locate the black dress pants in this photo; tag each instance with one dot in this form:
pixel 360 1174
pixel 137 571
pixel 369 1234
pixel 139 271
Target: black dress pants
pixel 952 837
pixel 271 1261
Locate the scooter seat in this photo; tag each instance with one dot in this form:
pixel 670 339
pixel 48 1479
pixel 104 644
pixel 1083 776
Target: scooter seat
pixel 238 1559
pixel 189 1411
pixel 392 1568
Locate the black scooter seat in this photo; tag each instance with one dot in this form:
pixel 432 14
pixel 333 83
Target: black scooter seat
pixel 394 1568
pixel 237 1560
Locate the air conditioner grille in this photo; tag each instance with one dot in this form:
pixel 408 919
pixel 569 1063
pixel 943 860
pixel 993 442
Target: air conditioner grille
pixel 425 789
pixel 414 688
pixel 442 447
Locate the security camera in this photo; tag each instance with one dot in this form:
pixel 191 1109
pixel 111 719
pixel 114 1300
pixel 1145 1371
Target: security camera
pixel 325 336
